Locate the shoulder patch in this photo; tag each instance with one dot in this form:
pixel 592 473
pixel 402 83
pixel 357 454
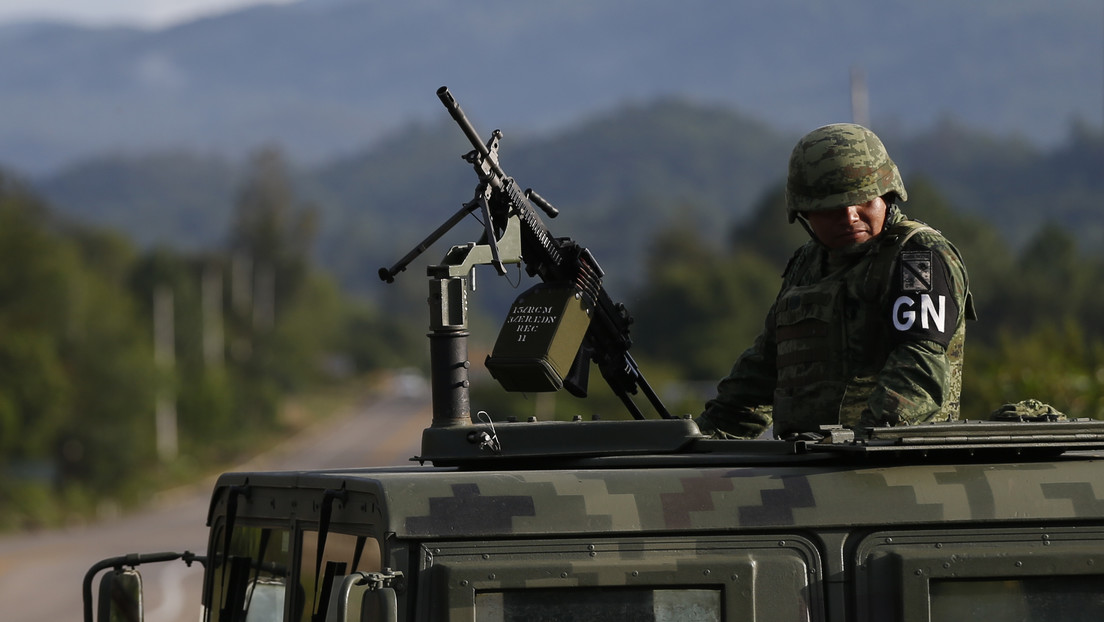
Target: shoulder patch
pixel 916 271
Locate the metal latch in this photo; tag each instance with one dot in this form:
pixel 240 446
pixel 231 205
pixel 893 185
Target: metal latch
pixel 393 579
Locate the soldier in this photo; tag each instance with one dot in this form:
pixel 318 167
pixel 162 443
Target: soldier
pixel 868 328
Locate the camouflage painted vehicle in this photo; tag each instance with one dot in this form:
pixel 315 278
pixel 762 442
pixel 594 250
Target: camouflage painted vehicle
pixel 645 519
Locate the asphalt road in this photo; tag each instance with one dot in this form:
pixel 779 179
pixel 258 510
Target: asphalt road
pixel 41 573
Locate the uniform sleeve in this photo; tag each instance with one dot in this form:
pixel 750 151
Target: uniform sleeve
pixel 928 303
pixel 913 385
pixel 741 408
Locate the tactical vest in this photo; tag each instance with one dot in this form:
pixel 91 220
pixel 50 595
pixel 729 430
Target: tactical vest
pixel 832 338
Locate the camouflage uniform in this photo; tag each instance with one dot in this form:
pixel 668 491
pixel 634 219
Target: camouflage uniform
pixel 867 335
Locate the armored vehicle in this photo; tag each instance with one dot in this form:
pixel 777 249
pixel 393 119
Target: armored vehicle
pixel 643 518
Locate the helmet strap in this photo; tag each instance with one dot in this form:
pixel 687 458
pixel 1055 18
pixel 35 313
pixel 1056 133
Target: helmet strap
pixel 805 223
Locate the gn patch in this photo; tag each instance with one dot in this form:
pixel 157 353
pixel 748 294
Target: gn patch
pixel 922 306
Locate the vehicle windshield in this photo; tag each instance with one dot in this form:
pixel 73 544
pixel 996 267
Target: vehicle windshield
pixel 249 575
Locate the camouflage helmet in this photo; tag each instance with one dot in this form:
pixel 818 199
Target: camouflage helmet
pixel 839 165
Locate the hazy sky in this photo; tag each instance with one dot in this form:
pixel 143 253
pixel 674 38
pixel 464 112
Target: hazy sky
pixel 151 13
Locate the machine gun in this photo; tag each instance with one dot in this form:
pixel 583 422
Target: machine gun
pixel 553 330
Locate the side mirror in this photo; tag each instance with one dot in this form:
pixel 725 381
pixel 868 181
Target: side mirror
pixel 121 589
pixel 366 597
pixel 120 597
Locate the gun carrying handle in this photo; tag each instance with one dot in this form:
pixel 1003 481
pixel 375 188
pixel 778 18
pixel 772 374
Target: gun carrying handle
pixel 541 202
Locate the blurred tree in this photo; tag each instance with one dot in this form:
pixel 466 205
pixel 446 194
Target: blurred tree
pixel 700 306
pixel 75 372
pixel 36 285
pixel 1056 362
pixel 272 232
pixel 767 232
pixel 271 282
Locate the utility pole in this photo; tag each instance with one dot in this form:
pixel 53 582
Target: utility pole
pixel 264 297
pixel 241 301
pixel 164 356
pixel 212 316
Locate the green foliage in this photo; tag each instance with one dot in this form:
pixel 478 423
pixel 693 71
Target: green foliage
pixel 1058 363
pixel 81 370
pixel 702 302
pixel 374 340
pixel 767 231
pixel 111 385
pixel 35 400
pixel 74 372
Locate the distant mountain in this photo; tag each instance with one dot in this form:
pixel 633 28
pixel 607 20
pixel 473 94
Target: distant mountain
pixel 175 199
pixel 326 78
pixel 617 178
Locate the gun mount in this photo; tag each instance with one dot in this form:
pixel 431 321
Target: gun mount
pixel 553 330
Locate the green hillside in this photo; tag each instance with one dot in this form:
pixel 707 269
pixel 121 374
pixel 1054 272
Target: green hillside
pixel 619 177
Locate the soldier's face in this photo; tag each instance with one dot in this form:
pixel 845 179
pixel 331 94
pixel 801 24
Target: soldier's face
pixel 845 226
